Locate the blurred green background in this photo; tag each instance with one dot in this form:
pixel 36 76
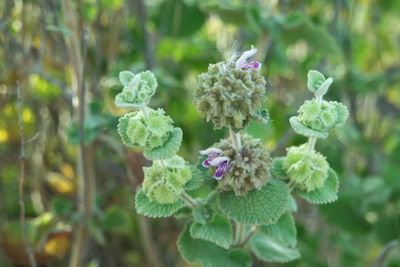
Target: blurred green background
pixel 357 42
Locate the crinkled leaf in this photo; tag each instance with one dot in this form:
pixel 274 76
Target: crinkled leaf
pixel 277 169
pixel 271 250
pixel 126 77
pixel 123 124
pixel 299 128
pixel 153 209
pixel 218 231
pixel 208 254
pixel 342 113
pixel 196 181
pixel 262 206
pixel 283 230
pixel 327 193
pixel 170 147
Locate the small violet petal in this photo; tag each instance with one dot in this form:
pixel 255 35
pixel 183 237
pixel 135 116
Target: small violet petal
pixel 206 163
pixel 210 150
pixel 221 169
pixel 218 160
pixel 244 57
pixel 252 65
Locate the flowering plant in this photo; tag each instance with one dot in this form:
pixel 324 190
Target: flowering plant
pixel 248 201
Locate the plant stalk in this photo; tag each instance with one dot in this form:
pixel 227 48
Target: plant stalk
pixel 22 162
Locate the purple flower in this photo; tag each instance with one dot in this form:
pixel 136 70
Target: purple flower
pixel 242 63
pixel 221 164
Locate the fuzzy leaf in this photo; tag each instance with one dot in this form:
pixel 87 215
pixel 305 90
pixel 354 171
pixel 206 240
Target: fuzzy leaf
pixel 170 147
pixel 126 77
pixel 123 124
pixel 299 128
pixel 342 113
pixel 262 206
pixel 153 209
pixel 325 194
pixel 314 80
pixel 323 89
pixel 196 181
pixel 208 254
pixel 283 230
pixel 277 169
pixel 218 231
pixel 271 250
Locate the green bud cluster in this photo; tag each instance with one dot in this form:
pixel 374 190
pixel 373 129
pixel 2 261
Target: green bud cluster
pixel 317 117
pixel 248 168
pixel 148 129
pixel 304 166
pixel 164 181
pixel 307 168
pixel 229 97
pixel 138 89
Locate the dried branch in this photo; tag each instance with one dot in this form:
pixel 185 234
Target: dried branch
pixel 22 162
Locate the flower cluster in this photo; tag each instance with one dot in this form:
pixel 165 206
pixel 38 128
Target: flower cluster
pixel 164 181
pixel 243 170
pixel 230 93
pixel 308 169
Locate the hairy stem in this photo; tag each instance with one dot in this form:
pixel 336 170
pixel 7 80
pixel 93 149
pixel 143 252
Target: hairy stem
pixel 248 236
pixel 311 144
pixel 239 232
pixel 22 161
pixel 235 138
pixel 188 199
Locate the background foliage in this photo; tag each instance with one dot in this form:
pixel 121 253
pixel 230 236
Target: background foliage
pixel 356 42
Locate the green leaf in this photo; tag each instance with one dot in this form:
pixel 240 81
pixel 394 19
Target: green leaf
pixel 314 80
pixel 284 230
pixel 170 147
pixel 277 169
pixel 208 254
pixel 61 206
pixel 153 209
pixel 218 231
pixel 196 181
pixel 262 206
pixel 177 18
pixel 325 194
pixel 299 128
pixel 122 127
pixel 298 27
pixel 269 249
pixel 115 219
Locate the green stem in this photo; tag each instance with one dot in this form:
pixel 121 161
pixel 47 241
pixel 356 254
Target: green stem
pixel 235 138
pixel 311 144
pixel 239 232
pixel 189 200
pixel 248 236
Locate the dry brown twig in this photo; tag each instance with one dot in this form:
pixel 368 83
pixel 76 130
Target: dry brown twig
pixel 22 162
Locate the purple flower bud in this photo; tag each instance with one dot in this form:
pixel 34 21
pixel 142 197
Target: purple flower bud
pixel 242 63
